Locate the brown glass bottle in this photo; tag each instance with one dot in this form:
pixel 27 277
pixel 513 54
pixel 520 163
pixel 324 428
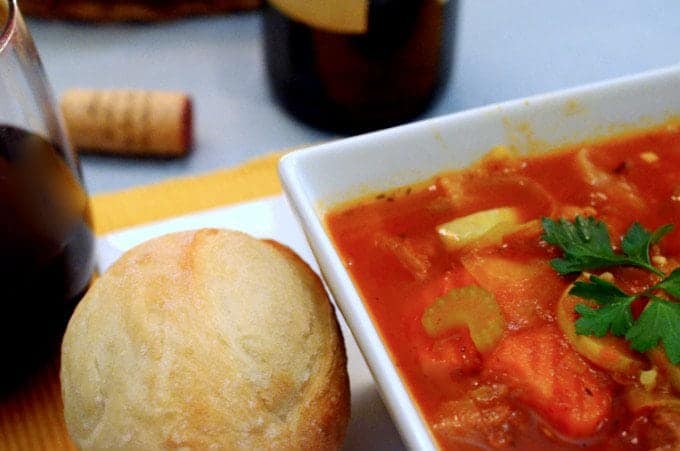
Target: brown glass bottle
pixel 350 82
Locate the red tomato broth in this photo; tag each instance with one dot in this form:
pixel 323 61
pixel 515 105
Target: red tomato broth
pixel 399 264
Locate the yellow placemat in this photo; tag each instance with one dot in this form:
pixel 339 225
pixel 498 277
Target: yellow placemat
pixel 32 418
pixel 256 178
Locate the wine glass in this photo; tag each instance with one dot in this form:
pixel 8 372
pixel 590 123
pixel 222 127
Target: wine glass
pixel 46 237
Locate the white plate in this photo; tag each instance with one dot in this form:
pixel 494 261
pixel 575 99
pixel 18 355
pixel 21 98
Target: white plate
pixel 271 217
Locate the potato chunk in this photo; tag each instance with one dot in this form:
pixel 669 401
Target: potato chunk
pixel 462 231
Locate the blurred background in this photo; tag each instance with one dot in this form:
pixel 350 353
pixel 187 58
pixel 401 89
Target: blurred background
pixel 503 50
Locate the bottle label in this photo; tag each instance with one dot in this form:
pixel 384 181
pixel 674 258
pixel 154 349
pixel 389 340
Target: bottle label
pixel 339 16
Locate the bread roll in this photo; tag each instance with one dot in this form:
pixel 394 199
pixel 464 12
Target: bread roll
pixel 208 339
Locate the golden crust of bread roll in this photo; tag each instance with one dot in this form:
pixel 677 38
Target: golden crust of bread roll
pixel 206 339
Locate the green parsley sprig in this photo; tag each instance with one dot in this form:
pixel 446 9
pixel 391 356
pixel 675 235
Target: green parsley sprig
pixel 586 245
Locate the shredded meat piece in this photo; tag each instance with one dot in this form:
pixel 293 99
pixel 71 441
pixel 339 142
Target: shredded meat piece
pixel 412 257
pixel 606 185
pixel 483 417
pixel 452 185
pixel 662 430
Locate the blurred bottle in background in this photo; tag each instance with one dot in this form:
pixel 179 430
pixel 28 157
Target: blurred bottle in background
pixel 357 65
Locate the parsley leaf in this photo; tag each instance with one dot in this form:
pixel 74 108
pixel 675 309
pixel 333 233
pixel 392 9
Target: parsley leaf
pixel 614 313
pixel 659 321
pixel 586 245
pixel 636 242
pixel 671 284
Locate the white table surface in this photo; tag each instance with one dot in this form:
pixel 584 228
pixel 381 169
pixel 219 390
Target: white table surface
pixel 504 50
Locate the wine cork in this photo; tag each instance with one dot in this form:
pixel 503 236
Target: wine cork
pixel 128 122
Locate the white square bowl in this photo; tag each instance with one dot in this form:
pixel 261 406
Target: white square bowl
pixel 319 178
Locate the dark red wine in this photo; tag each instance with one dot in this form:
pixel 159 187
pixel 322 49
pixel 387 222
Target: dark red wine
pixel 46 248
pixel 351 82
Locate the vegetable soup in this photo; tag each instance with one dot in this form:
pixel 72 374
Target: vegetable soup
pixel 532 301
